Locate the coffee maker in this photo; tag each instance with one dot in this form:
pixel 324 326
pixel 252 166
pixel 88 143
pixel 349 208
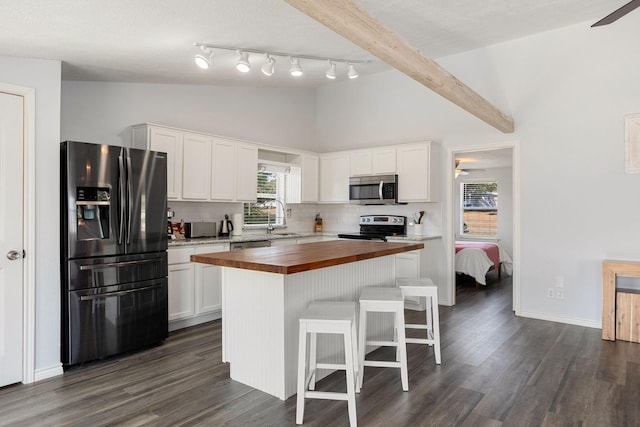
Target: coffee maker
pixel 226 226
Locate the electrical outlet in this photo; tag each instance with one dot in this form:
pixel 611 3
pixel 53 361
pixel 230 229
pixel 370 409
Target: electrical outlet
pixel 559 281
pixel 288 212
pixel 560 293
pixel 550 293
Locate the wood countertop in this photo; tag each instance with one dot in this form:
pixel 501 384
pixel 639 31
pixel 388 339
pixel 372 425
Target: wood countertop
pixel 305 256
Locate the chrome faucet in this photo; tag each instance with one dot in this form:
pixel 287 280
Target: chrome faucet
pixel 270 226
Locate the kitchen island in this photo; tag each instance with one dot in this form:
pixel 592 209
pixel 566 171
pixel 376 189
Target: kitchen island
pixel 264 291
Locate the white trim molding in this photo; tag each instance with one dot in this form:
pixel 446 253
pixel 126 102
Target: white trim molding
pixel 48 372
pixel 596 324
pixel 29 282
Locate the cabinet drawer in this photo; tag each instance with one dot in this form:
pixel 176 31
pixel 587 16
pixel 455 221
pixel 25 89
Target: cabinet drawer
pixel 179 255
pixel 207 249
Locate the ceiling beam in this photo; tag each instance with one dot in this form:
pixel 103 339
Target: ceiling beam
pixel 351 21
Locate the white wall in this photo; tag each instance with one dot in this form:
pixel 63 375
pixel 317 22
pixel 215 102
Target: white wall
pixel 103 112
pixel 568 91
pixel 44 76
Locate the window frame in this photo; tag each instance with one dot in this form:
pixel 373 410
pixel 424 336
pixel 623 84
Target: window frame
pixel 493 231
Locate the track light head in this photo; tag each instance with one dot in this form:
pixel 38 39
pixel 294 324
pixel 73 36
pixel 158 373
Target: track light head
pixel 353 74
pixel 296 69
pixel 243 64
pixel 331 72
pixel 203 60
pixel 268 67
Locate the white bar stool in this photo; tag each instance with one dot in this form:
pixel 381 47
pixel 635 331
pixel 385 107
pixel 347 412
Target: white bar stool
pixel 424 287
pixel 386 300
pixel 327 317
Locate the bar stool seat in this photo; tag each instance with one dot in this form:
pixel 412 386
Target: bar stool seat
pixel 386 300
pixel 327 317
pixel 424 287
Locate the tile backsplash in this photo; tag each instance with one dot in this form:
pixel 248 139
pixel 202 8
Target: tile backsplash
pixel 336 217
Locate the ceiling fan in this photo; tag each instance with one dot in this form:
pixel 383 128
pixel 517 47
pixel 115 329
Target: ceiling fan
pixel 617 14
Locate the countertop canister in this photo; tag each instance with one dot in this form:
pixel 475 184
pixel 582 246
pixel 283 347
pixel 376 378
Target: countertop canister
pixel 238 221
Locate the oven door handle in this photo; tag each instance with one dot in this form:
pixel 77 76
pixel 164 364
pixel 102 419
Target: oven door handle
pixel 117 264
pixel 118 293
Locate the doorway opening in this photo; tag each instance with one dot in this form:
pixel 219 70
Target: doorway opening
pixel 483 216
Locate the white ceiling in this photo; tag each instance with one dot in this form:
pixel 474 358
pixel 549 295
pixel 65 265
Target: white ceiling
pixel 152 40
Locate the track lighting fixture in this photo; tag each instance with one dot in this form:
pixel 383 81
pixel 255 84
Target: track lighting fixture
pixel 243 64
pixel 353 74
pixel 331 72
pixel 268 67
pixel 296 69
pixel 204 60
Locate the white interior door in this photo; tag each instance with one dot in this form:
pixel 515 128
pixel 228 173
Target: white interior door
pixel 11 238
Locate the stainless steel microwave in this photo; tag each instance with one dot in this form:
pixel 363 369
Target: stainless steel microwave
pixel 373 190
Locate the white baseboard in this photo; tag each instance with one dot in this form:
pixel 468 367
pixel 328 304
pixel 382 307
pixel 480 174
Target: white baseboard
pixel 561 319
pixel 48 372
pixel 174 325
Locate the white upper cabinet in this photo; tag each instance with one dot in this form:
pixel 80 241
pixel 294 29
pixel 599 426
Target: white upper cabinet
pixel 223 170
pixel 246 173
pixel 375 161
pixel 170 141
pixel 310 166
pixel 334 178
pixel 360 162
pixel 417 166
pixel 383 161
pixel 196 166
pixel 200 166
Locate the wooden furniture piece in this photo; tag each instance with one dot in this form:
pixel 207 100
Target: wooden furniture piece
pixel 620 306
pixel 327 317
pixel 265 290
pixel 424 287
pixel 383 300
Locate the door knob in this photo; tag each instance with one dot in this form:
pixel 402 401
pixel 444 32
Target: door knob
pixel 13 255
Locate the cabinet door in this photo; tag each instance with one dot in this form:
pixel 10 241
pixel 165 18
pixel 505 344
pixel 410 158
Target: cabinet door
pixel 196 166
pixel 417 173
pixel 169 141
pixel 309 179
pixel 181 291
pixel 383 161
pixel 208 282
pixel 408 267
pixel 334 178
pixel 360 163
pixel 223 170
pixel 247 173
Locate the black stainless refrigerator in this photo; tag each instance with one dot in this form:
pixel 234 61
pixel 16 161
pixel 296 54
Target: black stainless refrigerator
pixel 114 250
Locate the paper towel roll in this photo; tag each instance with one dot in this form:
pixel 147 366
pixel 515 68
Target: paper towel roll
pixel 238 222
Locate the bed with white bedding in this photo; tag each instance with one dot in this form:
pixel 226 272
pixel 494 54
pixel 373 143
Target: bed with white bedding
pixel 476 259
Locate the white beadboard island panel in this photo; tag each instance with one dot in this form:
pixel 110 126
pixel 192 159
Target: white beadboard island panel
pixel 260 318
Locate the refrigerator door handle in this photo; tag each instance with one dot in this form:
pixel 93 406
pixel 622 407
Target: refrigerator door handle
pixel 117 264
pixel 121 190
pixel 117 293
pixel 129 197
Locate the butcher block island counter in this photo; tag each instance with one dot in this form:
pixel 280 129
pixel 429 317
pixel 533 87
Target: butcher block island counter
pixel 264 291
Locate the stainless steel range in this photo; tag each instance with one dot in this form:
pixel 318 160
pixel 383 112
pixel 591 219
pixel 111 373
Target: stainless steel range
pixel 379 227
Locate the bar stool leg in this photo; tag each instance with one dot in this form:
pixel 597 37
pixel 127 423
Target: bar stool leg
pixel 312 360
pixel 302 375
pixel 436 332
pixel 402 346
pixel 354 348
pixel 362 350
pixel 351 379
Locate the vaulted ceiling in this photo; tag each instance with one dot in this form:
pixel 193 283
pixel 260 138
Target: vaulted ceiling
pixel 152 40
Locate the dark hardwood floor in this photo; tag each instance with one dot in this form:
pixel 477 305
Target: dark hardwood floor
pixel 497 369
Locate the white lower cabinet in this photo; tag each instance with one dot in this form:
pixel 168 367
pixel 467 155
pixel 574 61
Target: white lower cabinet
pixel 408 267
pixel 208 281
pixel 194 288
